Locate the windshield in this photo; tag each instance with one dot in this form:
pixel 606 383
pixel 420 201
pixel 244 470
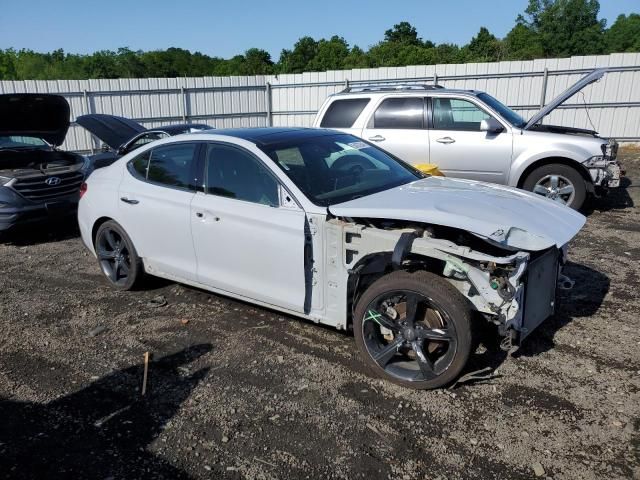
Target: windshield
pixel 332 169
pixel 505 112
pixel 22 142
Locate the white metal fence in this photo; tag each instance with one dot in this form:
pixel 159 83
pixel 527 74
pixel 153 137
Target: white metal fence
pixel 611 106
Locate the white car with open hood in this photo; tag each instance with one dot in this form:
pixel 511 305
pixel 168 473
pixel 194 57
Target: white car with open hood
pixel 327 227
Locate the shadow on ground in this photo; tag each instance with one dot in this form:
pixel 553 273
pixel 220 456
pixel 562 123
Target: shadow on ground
pixel 42 232
pixel 101 431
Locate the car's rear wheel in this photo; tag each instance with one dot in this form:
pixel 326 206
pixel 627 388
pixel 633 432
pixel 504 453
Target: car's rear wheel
pixel 558 182
pixel 413 329
pixel 117 256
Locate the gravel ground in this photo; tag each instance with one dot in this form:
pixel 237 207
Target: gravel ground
pixel 242 392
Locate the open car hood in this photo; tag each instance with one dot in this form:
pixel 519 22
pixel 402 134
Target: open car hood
pixel 564 96
pixel 34 115
pixel 112 130
pixel 504 215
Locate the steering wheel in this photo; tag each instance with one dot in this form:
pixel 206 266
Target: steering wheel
pixel 352 164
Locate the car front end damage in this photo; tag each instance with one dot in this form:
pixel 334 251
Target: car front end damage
pixel 605 170
pixel 515 290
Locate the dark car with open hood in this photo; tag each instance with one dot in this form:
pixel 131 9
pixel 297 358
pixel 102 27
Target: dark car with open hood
pixel 122 135
pixel 37 179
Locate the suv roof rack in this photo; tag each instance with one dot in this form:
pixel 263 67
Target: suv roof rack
pixel 390 88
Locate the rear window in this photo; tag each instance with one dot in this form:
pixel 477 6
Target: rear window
pixel 343 113
pixel 400 113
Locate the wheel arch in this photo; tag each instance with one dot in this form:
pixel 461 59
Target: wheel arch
pixel 96 226
pixel 578 167
pixel 374 266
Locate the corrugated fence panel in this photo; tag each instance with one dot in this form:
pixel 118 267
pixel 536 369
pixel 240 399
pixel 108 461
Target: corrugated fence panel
pixel 612 105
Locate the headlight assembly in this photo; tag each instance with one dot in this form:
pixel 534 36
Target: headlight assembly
pixel 4 180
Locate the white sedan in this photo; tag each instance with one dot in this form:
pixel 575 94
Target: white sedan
pixel 327 227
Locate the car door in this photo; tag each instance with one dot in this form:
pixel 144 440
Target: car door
pixel 246 242
pixel 398 126
pixel 155 200
pixel 458 146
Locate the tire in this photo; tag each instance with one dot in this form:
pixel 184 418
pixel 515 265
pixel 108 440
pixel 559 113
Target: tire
pixel 115 251
pixel 439 307
pixel 542 180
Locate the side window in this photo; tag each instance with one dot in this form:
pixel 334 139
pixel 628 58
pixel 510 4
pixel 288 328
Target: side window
pixel 400 113
pixel 140 164
pixel 455 114
pixel 234 173
pixel 343 113
pixel 172 165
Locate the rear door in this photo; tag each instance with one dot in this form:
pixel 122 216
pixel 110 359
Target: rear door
pixel 246 242
pixel 155 200
pixel 458 146
pixel 398 126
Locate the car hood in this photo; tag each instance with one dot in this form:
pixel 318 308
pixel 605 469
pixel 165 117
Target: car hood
pixel 504 215
pixel 35 115
pixel 564 96
pixel 113 130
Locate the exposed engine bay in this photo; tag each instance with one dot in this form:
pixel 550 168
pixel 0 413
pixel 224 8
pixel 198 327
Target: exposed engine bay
pixel 513 289
pixel 26 161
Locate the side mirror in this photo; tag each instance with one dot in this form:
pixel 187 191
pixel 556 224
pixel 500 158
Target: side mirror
pixel 105 148
pixel 491 125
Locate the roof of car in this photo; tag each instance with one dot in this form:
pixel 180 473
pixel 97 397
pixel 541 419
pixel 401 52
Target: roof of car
pixel 406 91
pixel 263 136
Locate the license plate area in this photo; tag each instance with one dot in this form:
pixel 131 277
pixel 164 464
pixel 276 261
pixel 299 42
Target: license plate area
pixel 540 290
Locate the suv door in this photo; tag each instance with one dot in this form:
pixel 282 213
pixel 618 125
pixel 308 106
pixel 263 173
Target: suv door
pixel 155 199
pixel 458 146
pixel 245 241
pixel 398 126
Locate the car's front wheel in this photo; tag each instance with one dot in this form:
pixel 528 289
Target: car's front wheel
pixel 558 182
pixel 413 329
pixel 117 256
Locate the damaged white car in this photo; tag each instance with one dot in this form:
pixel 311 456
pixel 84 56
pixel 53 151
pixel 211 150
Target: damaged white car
pixel 325 226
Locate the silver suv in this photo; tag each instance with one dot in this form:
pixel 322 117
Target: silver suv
pixel 470 134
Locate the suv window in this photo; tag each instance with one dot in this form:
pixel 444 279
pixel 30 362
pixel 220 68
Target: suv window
pixel 400 113
pixel 343 113
pixel 172 165
pixel 234 173
pixel 456 114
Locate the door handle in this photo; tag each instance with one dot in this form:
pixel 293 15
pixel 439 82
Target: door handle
pixel 130 201
pixel 446 140
pixel 377 138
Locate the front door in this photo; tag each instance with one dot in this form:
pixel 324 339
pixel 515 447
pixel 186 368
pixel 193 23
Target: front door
pixel 154 202
pixel 246 242
pixel 460 149
pixel 398 126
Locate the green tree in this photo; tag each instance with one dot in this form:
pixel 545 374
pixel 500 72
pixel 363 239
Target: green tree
pixel 484 47
pixel 258 62
pixel 624 34
pixel 522 43
pixel 565 27
pixel 330 55
pixel 8 64
pixel 403 33
pixel 357 58
pixel 296 60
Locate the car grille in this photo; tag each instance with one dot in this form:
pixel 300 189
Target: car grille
pixel 37 188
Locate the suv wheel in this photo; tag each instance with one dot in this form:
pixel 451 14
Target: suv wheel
pixel 117 256
pixel 558 182
pixel 413 329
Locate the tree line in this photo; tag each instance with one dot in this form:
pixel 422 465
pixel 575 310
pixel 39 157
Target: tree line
pixel 546 29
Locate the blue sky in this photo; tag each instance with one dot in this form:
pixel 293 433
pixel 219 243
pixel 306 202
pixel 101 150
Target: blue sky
pixel 227 28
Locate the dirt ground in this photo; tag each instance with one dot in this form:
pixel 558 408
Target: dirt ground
pixel 242 392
